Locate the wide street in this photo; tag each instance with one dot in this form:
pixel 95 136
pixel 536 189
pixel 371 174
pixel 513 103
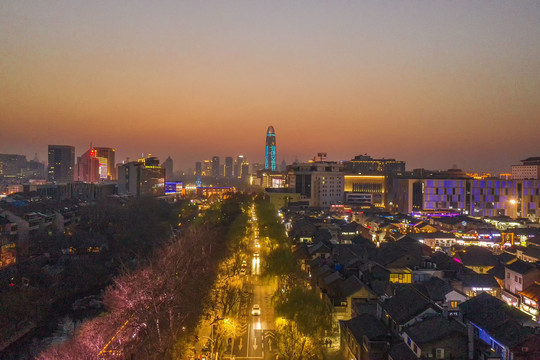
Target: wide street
pixel 256 339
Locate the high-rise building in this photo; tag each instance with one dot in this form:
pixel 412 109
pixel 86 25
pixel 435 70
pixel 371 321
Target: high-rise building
pixel 198 171
pixel 168 166
pixel 256 167
pixel 106 157
pixel 244 170
pixel 215 166
pixel 238 166
pixel 228 167
pixel 207 168
pixel 87 169
pixel 95 165
pixel 144 177
pixel 61 163
pixel 321 182
pixel 12 166
pixel 270 150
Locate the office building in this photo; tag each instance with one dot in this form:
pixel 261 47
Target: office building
pixel 228 167
pixel 207 168
pixel 244 170
pixel 240 160
pixel 13 166
pixel 488 197
pixel 107 161
pixel 529 169
pixel 198 171
pixel 366 189
pixel 256 167
pixel 320 182
pixel 169 170
pixel 365 164
pixel 141 178
pixel 61 163
pixel 87 169
pixel 215 167
pixel 96 164
pixel 270 150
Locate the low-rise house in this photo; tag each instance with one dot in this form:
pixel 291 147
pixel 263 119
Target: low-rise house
pixel 530 300
pixel 364 338
pixel 406 307
pixel 530 254
pixel 437 240
pixel 478 259
pixel 401 351
pixel 503 328
pixel 437 338
pixel 519 275
pixel 474 284
pixel 435 289
pixel 341 295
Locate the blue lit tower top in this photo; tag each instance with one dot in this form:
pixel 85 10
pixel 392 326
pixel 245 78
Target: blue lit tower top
pixel 270 150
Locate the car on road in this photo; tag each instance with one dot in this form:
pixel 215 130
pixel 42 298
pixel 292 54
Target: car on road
pixel 256 310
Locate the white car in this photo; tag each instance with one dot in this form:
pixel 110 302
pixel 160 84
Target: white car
pixel 256 310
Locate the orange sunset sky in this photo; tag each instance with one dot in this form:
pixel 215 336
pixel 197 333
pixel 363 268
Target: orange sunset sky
pixel 435 84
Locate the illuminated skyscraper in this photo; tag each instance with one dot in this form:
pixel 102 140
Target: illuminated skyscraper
pixel 270 150
pixel 95 165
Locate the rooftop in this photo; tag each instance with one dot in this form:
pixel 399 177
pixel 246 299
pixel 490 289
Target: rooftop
pixel 521 267
pixel 433 329
pixel 406 304
pixel 366 325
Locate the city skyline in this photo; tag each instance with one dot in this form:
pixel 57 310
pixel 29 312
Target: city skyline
pixel 435 85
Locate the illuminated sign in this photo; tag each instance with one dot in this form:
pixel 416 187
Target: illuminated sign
pixel 173 187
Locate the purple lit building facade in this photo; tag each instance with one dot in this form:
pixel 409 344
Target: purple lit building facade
pixel 488 198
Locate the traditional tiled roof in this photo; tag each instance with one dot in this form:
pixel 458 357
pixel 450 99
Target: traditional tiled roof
pixel 521 267
pixel 366 325
pixel 477 256
pixel 319 248
pixel 503 323
pixel 498 272
pixel 480 281
pixel 506 258
pixel 532 292
pixel 401 352
pixel 533 252
pixel 301 252
pixel 406 304
pixel 351 285
pixel 433 329
pixel 435 288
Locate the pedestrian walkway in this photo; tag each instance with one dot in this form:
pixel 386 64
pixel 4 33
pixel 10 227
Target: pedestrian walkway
pixel 331 350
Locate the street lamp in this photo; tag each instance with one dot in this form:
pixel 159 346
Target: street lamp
pixel 513 202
